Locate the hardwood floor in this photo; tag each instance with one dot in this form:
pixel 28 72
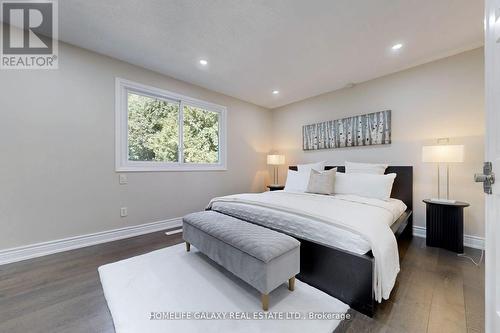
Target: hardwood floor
pixel 62 292
pixel 435 292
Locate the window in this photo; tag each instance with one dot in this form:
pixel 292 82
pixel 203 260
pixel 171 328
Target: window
pixel 157 130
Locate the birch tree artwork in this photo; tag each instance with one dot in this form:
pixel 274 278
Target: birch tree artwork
pixel 364 130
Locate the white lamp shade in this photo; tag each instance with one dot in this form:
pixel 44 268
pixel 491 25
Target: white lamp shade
pixel 443 154
pixel 275 159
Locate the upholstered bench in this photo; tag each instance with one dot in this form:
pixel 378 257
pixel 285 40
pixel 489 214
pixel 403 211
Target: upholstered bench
pixel 259 256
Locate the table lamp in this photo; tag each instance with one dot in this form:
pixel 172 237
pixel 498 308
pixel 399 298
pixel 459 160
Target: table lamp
pixel 443 154
pixel 275 161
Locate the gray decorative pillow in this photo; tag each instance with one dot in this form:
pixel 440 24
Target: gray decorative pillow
pixel 322 182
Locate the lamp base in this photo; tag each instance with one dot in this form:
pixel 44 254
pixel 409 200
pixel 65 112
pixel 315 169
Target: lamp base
pixel 448 201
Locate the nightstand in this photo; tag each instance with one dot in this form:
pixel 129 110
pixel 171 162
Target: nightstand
pixel 275 187
pixel 445 225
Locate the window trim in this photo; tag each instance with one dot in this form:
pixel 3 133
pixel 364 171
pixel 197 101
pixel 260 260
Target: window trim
pixel 122 163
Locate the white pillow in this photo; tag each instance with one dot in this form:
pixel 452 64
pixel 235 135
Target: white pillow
pixel 322 182
pixel 297 181
pixel 365 185
pixel 375 169
pixel 320 166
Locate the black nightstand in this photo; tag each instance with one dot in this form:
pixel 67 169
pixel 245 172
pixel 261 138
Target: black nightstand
pixel 445 225
pixel 275 187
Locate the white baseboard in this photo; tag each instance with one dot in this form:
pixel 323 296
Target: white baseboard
pixel 418 231
pixel 42 249
pixel 469 241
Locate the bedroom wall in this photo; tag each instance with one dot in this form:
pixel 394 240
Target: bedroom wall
pixel 444 98
pixel 57 153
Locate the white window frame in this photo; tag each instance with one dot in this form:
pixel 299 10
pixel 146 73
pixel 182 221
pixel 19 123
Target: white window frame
pixel 123 164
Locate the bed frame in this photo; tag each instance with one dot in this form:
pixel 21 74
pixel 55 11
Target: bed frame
pixel 348 276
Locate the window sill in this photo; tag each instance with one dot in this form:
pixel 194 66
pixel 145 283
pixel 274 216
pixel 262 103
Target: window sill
pixel 172 168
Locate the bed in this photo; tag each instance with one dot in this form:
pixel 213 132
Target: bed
pixel 334 258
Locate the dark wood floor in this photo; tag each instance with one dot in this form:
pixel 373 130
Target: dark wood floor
pixel 436 291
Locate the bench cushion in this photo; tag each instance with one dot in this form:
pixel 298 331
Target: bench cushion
pixel 259 242
pixel 262 257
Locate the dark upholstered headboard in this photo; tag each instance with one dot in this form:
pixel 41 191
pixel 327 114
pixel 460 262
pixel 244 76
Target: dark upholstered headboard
pixel 403 184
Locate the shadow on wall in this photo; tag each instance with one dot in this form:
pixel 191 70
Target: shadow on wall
pixel 261 179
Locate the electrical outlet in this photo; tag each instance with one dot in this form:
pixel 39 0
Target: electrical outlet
pixel 123 211
pixel 123 179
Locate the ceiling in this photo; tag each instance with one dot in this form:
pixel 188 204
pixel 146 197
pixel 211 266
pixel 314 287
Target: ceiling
pixel 301 48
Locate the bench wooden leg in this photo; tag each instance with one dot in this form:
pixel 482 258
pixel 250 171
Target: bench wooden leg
pixel 188 247
pixel 265 301
pixel 291 283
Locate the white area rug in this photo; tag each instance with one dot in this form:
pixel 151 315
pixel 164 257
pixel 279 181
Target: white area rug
pixel 172 282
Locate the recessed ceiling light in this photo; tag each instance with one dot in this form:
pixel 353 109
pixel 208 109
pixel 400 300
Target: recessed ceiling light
pixel 203 62
pixel 397 46
pixel 276 92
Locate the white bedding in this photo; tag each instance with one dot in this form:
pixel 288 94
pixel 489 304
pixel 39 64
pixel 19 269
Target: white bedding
pixel 349 222
pixel 303 227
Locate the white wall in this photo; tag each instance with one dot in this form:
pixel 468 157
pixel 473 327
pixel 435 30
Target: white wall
pixel 444 98
pixel 57 153
pixel 57 143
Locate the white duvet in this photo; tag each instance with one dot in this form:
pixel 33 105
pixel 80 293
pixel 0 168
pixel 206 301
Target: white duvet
pixel 368 218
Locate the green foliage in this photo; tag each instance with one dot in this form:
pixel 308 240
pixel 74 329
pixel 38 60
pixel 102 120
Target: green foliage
pixel 153 131
pixel 201 135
